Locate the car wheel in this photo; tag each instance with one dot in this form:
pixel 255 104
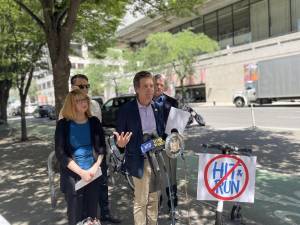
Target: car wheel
pixel 239 102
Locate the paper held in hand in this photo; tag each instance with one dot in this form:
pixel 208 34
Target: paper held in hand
pixel 82 183
pixel 177 119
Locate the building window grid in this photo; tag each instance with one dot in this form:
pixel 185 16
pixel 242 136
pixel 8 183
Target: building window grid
pixel 199 22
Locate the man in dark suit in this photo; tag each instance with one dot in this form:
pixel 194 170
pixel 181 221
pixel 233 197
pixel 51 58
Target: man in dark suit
pixel 166 102
pixel 135 119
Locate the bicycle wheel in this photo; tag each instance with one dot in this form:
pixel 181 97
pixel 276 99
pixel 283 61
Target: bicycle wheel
pixel 113 172
pixel 199 119
pixel 129 181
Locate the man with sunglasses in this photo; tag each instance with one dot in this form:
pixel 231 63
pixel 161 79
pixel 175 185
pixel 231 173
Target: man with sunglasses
pixel 80 81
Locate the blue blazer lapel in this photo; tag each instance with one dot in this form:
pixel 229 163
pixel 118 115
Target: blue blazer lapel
pixel 156 115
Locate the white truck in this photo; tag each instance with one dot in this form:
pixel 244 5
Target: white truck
pixel 276 79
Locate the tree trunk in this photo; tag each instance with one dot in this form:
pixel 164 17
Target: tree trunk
pixel 23 91
pixel 5 86
pixel 59 54
pixel 61 73
pixel 23 119
pixel 116 87
pixel 182 91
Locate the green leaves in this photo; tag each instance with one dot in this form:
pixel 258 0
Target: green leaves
pixel 20 39
pixel 179 50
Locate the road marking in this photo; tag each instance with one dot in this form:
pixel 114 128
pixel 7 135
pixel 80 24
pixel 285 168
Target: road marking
pixel 279 128
pixel 259 127
pixel 289 117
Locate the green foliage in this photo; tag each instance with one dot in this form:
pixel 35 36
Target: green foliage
pixel 179 50
pixel 123 84
pixel 19 41
pixel 95 73
pixel 97 22
pixel 133 60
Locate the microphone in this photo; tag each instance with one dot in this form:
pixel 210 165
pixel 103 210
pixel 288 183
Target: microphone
pixel 155 143
pixel 151 143
pixel 174 130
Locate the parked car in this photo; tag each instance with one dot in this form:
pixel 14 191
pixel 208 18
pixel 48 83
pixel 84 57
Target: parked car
pixel 52 114
pixel 30 108
pixel 110 109
pixel 15 111
pixel 43 110
pixel 98 99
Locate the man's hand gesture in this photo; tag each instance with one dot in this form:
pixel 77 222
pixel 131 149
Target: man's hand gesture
pixel 123 138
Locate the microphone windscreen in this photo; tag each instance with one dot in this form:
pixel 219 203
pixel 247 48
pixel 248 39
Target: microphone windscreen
pixel 146 137
pixel 174 130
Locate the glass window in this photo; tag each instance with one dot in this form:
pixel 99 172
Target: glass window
pixel 295 10
pixel 225 27
pixel 186 26
pixel 109 103
pixel 197 25
pixel 241 22
pixel 280 17
pixel 210 25
pixel 259 20
pixel 175 30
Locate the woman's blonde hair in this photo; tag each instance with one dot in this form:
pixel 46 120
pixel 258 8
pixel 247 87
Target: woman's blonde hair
pixel 69 108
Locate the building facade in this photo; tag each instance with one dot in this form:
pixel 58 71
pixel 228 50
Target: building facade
pixel 247 31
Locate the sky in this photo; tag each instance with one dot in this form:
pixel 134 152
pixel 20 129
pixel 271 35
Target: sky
pixel 129 19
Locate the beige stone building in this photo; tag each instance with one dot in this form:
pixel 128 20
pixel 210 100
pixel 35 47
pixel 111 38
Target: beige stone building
pixel 247 31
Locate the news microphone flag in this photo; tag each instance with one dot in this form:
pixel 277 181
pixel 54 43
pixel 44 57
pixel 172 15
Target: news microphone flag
pixel 152 144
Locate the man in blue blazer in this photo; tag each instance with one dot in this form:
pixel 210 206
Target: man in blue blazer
pixel 136 118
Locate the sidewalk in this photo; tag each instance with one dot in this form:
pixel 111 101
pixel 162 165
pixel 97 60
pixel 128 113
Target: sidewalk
pixel 24 191
pixel 25 198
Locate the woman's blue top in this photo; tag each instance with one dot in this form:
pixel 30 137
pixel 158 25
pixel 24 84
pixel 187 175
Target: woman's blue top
pixel 80 140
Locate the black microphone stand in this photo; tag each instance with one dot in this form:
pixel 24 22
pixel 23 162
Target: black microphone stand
pixel 151 155
pixel 169 187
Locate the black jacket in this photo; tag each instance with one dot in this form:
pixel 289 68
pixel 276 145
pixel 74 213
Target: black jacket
pixel 64 153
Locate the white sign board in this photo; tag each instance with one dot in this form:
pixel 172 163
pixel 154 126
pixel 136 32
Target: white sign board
pixel 226 178
pixel 177 119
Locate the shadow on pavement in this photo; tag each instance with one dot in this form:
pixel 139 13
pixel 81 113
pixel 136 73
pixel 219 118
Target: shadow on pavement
pixel 25 197
pixel 276 151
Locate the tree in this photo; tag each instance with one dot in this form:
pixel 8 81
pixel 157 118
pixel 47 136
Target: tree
pixel 179 50
pixel 95 73
pixel 24 43
pixel 101 75
pixel 5 64
pixel 96 24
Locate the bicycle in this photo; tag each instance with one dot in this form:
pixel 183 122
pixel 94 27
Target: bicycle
pixel 116 161
pixel 235 212
pixel 194 115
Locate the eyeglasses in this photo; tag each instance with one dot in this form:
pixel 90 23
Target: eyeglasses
pixel 81 86
pixel 80 101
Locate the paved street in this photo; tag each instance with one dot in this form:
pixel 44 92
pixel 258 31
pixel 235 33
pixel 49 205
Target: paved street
pixel 24 194
pixel 270 117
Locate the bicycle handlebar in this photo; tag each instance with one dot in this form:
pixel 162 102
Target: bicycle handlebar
pixel 229 149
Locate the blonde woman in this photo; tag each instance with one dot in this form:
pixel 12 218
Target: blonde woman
pixel 79 147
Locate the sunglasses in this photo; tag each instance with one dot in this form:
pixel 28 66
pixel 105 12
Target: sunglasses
pixel 81 86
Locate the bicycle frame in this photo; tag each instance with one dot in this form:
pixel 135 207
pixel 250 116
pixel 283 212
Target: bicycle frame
pixel 116 161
